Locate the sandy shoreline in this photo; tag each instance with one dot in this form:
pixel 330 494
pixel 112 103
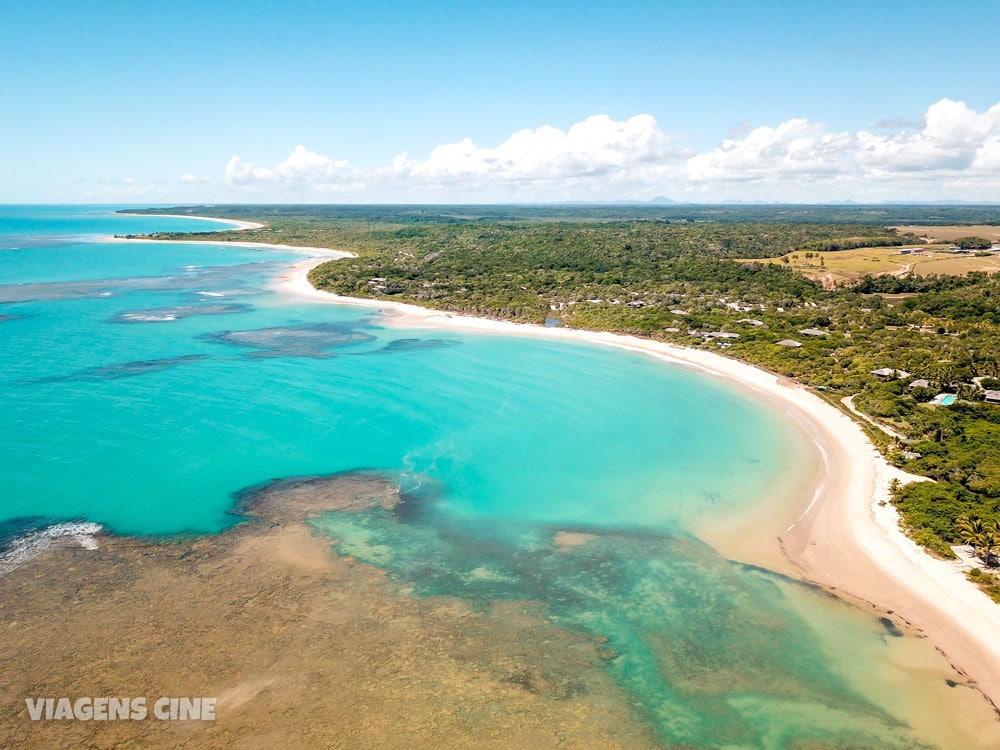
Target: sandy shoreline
pixel 843 535
pixel 237 224
pixel 277 583
pixel 317 254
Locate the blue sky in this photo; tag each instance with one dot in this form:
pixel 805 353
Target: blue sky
pixel 336 102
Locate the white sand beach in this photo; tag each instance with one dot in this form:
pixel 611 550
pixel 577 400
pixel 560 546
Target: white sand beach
pixel 842 533
pixel 317 254
pixel 237 224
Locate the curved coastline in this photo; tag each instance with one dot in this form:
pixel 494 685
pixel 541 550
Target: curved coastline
pixel 315 254
pixel 844 535
pixel 841 533
pixel 807 532
pixel 235 222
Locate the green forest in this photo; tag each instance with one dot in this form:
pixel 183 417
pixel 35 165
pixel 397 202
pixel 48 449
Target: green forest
pixel 684 274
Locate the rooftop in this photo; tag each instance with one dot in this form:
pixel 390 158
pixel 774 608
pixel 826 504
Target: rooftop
pixel 716 335
pixel 889 372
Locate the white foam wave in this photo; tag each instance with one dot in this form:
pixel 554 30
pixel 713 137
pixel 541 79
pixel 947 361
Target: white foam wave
pixel 34 543
pixel 147 318
pixel 211 294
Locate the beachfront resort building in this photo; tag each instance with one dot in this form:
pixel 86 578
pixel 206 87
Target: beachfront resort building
pixel 889 373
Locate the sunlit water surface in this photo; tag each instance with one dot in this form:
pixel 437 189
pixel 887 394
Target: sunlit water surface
pixel 145 384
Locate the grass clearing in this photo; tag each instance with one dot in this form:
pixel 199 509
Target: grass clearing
pixel 952 233
pixel 848 265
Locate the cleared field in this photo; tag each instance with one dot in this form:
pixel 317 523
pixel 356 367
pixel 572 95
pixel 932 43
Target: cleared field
pixel 952 233
pixel 847 265
pixel 960 265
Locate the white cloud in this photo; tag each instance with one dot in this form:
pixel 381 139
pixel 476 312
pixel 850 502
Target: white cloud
pixel 530 165
pixel 795 147
pixel 596 146
pixel 955 153
pixel 302 170
pixel 952 152
pixel 952 136
pixel 988 156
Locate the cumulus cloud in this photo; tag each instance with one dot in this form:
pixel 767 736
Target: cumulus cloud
pixel 794 147
pixel 951 139
pixel 952 152
pixel 596 146
pixel 531 164
pixel 988 156
pixel 303 169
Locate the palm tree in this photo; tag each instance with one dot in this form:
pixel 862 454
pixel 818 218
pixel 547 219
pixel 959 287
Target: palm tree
pixel 989 546
pixel 982 536
pixel 966 391
pixel 970 530
pixel 944 374
pixel 989 367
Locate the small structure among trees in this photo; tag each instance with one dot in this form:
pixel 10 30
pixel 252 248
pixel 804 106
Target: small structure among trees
pixel 982 536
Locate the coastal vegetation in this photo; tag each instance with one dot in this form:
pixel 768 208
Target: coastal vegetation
pixel 973 243
pixel 914 351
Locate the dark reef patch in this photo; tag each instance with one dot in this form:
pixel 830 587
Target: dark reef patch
pixel 680 629
pixel 123 369
pixel 399 346
pixel 307 340
pixel 224 276
pixel 15 528
pixel 890 627
pixel 30 241
pixel 300 647
pixel 179 312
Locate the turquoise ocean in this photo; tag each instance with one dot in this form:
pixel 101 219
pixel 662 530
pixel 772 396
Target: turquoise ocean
pixel 146 385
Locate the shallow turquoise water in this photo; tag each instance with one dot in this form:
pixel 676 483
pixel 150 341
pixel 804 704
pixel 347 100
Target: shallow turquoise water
pixel 144 385
pixel 713 652
pixel 148 382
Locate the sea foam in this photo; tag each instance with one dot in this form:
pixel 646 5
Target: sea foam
pixel 26 547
